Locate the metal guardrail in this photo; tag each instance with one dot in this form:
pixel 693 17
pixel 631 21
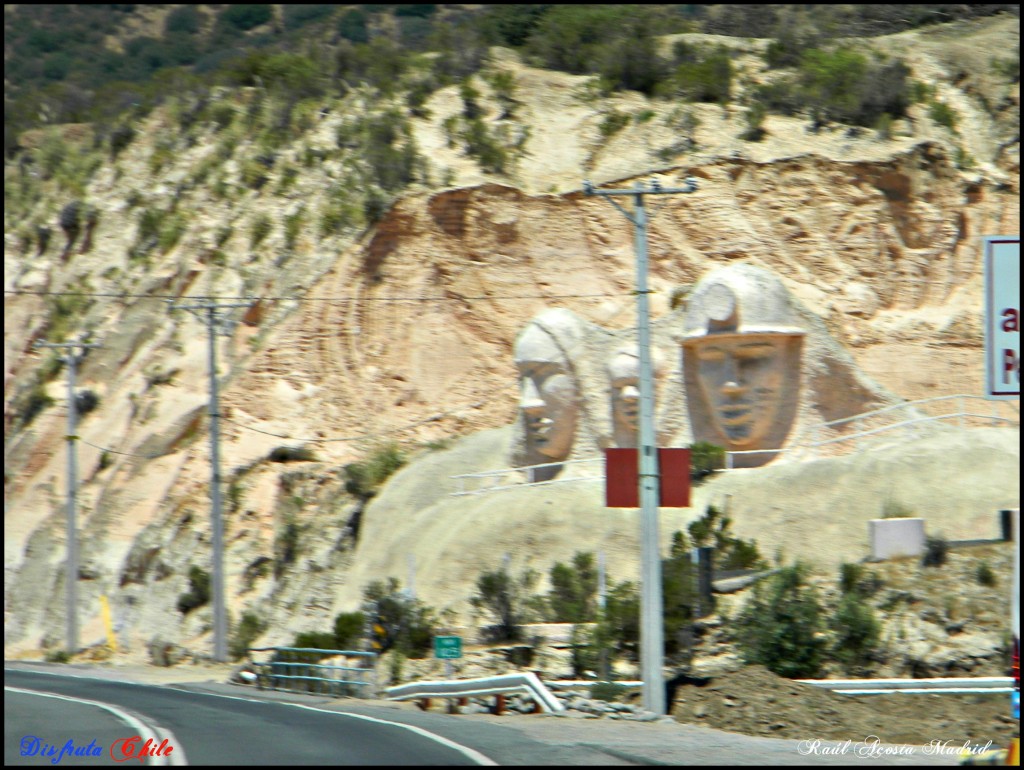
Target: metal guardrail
pixel 298 669
pixel 527 683
pixel 937 686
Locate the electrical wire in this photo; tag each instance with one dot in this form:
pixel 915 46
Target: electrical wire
pixel 453 298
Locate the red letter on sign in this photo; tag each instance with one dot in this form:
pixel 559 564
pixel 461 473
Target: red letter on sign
pixel 1011 366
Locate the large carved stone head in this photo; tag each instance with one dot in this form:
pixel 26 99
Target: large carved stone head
pixel 742 343
pixel 549 400
pixel 623 371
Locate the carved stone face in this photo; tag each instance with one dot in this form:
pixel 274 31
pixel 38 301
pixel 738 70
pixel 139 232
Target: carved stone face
pixel 742 379
pixel 624 378
pixel 742 346
pixel 549 397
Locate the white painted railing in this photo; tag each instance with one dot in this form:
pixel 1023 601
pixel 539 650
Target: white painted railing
pixel 937 686
pixel 813 441
pixel 809 441
pixel 513 478
pixel 527 683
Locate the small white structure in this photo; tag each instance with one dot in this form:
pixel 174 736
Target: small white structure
pixel 896 537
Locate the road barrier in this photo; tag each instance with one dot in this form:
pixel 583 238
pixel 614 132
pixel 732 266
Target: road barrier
pixel 938 686
pixel 298 669
pixel 527 683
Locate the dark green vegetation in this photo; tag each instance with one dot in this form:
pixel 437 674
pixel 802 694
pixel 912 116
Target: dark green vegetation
pixel 104 62
pixel 198 593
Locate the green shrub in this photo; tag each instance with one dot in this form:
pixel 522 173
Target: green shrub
pixel 198 593
pixel 1008 68
pixel 936 550
pixel 856 632
pixel 293 227
pixel 363 479
pixel 245 16
pixel 678 592
pixel 850 577
pixel 30 406
pixel 286 544
pixel 348 630
pixel 705 459
pixel 613 122
pixel 405 625
pixel 621 619
pixel 484 146
pixel 985 575
pixel 171 230
pixel 261 228
pixel 963 159
pixel 352 26
pixel 58 656
pixel 714 529
pixel 781 624
pixel 246 632
pixel 298 15
pixel 754 118
pixel 944 115
pixel 573 594
pixel 708 80
pixel 318 640
pixel 883 126
pixel 504 599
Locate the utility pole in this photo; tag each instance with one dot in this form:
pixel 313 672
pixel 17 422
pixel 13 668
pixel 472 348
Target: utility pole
pixel 73 353
pixel 652 621
pixel 208 312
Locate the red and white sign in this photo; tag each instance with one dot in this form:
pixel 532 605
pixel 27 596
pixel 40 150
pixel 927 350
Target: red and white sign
pixel 1002 316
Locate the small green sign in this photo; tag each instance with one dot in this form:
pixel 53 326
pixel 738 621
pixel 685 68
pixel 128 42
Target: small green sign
pixel 448 647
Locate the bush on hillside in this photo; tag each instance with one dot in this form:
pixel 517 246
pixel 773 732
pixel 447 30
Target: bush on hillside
pixel 781 625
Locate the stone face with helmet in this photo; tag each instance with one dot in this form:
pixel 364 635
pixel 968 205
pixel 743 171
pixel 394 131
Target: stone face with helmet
pixel 742 343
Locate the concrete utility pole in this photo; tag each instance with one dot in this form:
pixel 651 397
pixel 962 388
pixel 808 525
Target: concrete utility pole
pixel 652 621
pixel 73 353
pixel 208 312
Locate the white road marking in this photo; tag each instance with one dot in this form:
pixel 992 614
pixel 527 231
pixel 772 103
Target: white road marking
pixel 471 754
pixel 151 732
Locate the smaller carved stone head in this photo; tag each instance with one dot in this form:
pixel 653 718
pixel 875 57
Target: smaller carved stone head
pixel 549 393
pixel 623 369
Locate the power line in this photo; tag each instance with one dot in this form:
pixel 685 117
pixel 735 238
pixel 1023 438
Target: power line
pixel 212 298
pixel 126 454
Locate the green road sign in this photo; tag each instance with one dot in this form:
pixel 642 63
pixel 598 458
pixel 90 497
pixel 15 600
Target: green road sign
pixel 447 647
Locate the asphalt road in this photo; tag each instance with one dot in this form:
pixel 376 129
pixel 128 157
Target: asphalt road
pixel 213 723
pixel 207 728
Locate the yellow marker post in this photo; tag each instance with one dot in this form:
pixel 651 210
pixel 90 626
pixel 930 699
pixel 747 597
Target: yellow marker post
pixel 108 623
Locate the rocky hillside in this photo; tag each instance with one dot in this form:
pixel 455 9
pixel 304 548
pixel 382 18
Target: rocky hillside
pixel 372 315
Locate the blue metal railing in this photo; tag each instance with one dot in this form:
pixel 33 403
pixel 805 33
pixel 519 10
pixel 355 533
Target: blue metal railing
pixel 298 669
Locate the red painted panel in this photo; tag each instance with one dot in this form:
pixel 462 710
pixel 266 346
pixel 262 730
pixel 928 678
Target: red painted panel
pixel 622 478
